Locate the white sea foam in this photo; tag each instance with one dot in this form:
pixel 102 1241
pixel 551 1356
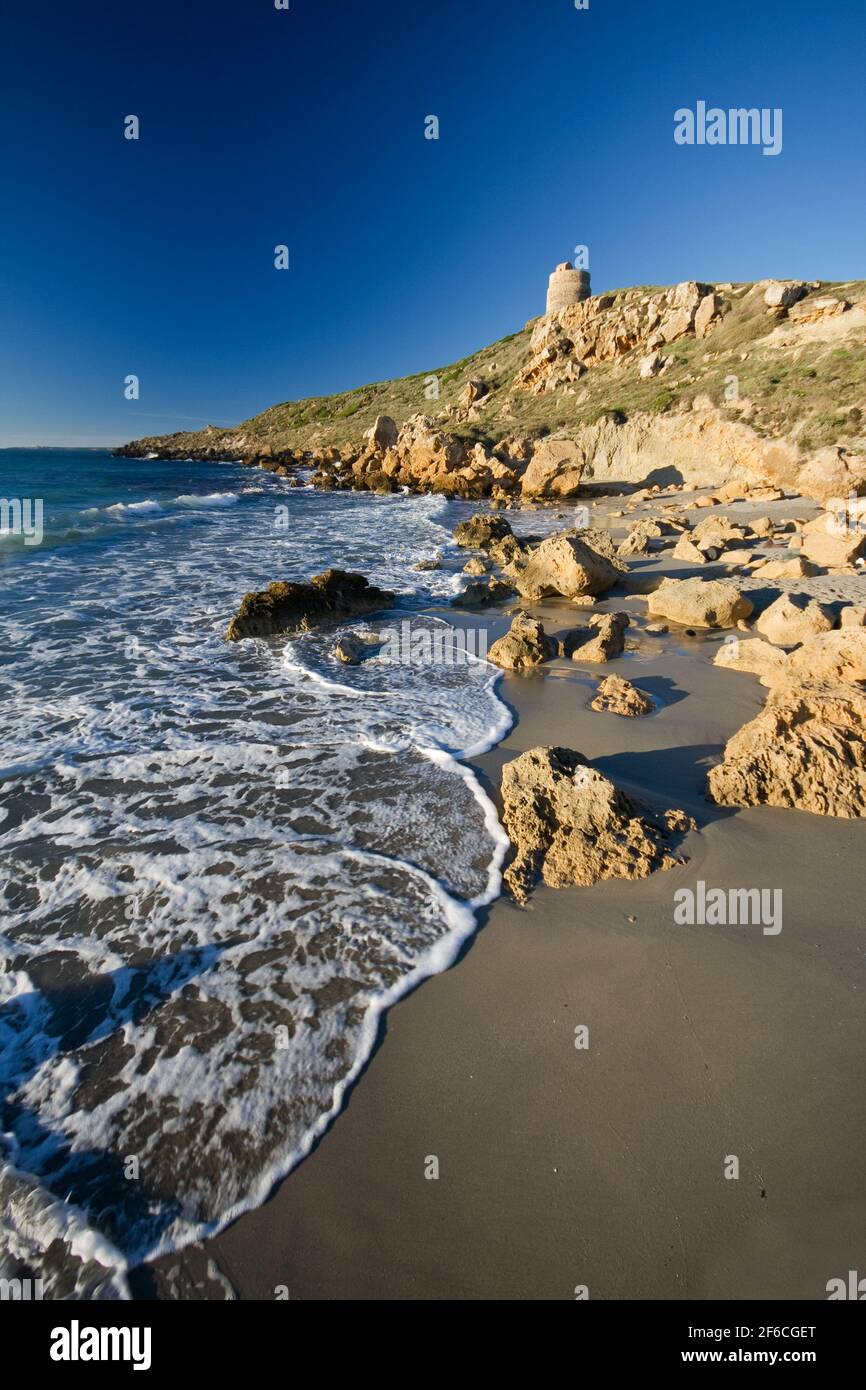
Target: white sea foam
pixel 133 508
pixel 211 849
pixel 212 499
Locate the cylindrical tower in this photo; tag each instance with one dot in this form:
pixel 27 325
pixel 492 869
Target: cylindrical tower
pixel 566 286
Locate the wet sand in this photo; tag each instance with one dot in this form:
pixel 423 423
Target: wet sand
pixel 603 1167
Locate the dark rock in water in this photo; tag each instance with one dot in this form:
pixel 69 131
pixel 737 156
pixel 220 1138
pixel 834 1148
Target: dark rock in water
pixel 483 591
pixel 480 531
pixel 294 608
pixel 349 649
pixel 433 563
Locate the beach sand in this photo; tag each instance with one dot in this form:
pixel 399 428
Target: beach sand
pixel 602 1167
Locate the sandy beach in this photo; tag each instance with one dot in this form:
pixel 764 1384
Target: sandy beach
pixel 563 1168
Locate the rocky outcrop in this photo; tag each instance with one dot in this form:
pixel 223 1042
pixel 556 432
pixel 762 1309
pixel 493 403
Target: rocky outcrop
pixel 481 531
pixel 837 658
pixel 524 646
pixel 829 542
pixel 754 656
pixel 570 824
pixel 617 696
pixel 794 568
pixel 804 750
pixel 480 593
pixel 793 618
pixel 606 379
pixel 700 602
pixel 566 566
pixel 554 471
pixel 572 338
pixel 603 640
pixel 296 607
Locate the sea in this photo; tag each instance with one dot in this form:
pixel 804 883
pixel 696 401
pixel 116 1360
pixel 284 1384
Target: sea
pixel 220 863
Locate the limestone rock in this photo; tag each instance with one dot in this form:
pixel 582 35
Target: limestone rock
pixel 481 592
pixel 566 566
pixel 572 825
pixel 754 656
pixel 433 562
pixel 383 434
pixel 833 473
pixel 651 365
pixel 792 619
pixel 555 470
pixel 829 543
pixel 700 602
pixel 481 531
pixel 608 641
pixel 837 658
pixel 818 308
pixel 717 531
pixel 297 607
pixel 794 568
pixel 685 549
pixel 707 313
pixel 524 645
pixel 476 566
pixel 853 616
pixel 804 750
pixel 641 537
pixel 473 391
pixel 617 696
pixel 781 294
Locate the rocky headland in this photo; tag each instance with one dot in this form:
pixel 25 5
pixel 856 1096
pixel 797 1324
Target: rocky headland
pixel 696 383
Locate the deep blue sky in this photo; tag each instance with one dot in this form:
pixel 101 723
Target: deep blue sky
pixel 261 127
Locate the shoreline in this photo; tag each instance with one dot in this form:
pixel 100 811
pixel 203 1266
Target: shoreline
pixel 601 1168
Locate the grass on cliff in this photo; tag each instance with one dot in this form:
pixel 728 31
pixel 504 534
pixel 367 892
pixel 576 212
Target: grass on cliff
pixel 814 391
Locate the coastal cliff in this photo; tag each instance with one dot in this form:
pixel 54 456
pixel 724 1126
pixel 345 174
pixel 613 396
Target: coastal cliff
pixel 696 383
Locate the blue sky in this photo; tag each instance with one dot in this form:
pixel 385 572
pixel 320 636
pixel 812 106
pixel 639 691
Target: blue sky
pixel 261 127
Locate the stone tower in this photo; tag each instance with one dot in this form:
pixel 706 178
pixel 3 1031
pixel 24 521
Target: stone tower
pixel 566 286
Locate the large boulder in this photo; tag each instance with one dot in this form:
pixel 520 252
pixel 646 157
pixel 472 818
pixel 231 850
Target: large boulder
pixel 794 618
pixel 481 531
pixel 753 656
pixel 794 568
pixel 700 602
pixel 686 550
pixel 804 750
pixel 296 607
pixel 382 435
pixel 828 542
pixel 555 469
pixel 781 294
pixel 572 825
pixel 837 658
pixel 565 565
pixel 525 645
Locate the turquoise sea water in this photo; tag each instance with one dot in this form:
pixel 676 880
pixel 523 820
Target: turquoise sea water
pixel 220 862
